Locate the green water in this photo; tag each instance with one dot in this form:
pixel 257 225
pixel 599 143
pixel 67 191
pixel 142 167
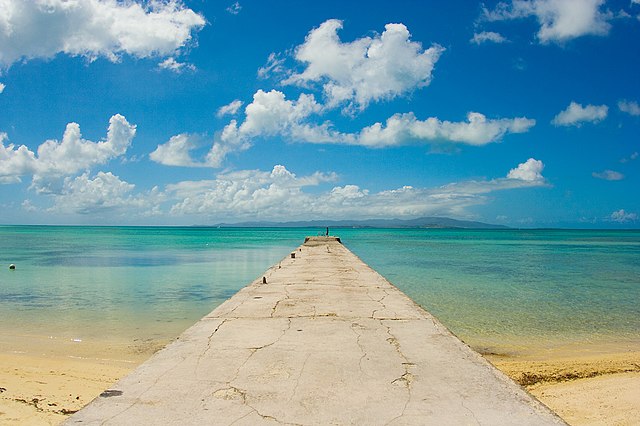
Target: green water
pixel 495 289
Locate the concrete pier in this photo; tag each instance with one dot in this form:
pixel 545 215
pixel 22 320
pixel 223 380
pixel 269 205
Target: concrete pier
pixel 326 340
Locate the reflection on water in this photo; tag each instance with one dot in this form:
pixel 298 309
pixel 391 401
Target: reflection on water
pixel 127 283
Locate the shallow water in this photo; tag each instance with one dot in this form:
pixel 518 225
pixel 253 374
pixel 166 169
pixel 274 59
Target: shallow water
pixel 503 291
pixel 85 283
pixel 511 290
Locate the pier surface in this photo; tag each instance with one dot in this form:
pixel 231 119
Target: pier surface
pixel 326 340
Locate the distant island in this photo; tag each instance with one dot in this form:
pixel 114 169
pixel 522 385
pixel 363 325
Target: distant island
pixel 422 222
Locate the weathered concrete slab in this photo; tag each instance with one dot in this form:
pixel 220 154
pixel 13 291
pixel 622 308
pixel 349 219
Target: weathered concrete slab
pixel 326 341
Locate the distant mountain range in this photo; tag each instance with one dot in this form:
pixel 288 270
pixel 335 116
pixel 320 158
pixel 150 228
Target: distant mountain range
pixel 423 222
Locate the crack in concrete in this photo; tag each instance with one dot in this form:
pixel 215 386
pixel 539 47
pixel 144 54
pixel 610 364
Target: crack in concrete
pixel 380 301
pixel 253 352
pixel 404 408
pixel 406 378
pixel 469 411
pixel 239 304
pixel 275 307
pixel 314 315
pixel 245 384
pixel 277 340
pixel 364 353
pixel 237 373
pixel 267 417
pixel 240 418
pixel 243 395
pixel 209 342
pixel 295 388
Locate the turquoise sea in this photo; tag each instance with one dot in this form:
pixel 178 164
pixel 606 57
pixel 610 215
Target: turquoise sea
pixel 499 290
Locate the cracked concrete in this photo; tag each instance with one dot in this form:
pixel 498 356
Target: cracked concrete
pixel 326 341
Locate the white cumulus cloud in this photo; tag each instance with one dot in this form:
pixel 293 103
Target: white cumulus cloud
pixel 28 206
pixel 281 195
pixel 608 175
pixel 630 107
pixel 104 193
pixel 368 69
pixel 529 171
pixel 235 8
pixel 576 114
pixel 488 36
pixel 632 157
pixel 406 128
pixel 177 152
pixel 269 114
pixel 274 66
pixel 229 109
pixel 174 66
pixel 70 155
pixel 94 28
pixel 246 194
pixel 621 216
pixel 559 20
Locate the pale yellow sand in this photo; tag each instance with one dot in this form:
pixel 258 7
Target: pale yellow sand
pixel 601 389
pixel 606 400
pixel 43 380
pixel 45 390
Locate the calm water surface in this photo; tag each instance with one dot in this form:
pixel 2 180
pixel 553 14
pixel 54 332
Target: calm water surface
pixel 498 290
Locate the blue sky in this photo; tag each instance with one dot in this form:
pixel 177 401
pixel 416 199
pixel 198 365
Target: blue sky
pixel 524 112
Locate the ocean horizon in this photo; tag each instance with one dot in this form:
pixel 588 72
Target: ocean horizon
pixel 505 291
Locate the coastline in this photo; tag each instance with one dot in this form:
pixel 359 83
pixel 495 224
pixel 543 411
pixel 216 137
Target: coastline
pixel 51 382
pixel 43 377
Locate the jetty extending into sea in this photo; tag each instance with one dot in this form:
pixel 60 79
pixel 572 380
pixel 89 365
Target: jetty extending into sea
pixel 321 338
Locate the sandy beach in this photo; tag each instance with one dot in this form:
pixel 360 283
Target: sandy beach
pixel 589 390
pixel 45 390
pixel 43 381
pixel 601 389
